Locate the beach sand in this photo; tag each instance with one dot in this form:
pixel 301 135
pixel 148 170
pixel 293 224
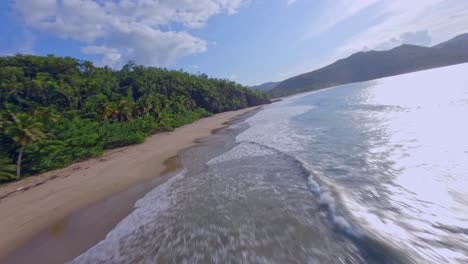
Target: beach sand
pixel 45 202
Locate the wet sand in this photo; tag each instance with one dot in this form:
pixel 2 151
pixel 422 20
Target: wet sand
pixel 67 203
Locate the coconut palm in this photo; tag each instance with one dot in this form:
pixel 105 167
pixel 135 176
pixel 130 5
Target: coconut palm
pixel 108 110
pixel 125 110
pixel 7 169
pixel 23 130
pixel 144 105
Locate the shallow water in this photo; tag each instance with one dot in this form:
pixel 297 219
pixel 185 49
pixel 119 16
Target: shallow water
pixel 373 172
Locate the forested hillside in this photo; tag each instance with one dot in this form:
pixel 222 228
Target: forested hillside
pixel 370 65
pixel 265 86
pixel 54 111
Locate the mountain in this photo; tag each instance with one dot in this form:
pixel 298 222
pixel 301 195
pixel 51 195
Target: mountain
pixel 458 43
pixel 265 86
pixel 364 66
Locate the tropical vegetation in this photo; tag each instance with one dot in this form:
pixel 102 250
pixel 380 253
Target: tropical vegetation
pixel 55 111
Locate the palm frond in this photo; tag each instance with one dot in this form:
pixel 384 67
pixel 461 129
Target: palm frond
pixel 7 169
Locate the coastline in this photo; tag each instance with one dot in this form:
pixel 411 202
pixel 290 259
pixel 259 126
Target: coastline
pixel 46 201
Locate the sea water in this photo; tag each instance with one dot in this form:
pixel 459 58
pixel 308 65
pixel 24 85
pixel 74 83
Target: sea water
pixel 372 172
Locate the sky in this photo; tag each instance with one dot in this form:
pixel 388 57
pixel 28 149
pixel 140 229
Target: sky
pixel 247 41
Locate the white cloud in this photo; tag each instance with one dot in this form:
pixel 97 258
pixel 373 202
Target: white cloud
pixel 233 77
pixel 111 56
pixel 400 20
pixel 421 38
pixel 335 12
pixel 127 29
pixel 290 2
pixel 419 22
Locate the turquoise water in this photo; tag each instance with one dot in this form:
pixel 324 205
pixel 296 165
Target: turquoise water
pixel 374 172
pixel 389 158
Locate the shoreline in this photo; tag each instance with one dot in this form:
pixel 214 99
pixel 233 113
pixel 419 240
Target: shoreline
pixel 40 206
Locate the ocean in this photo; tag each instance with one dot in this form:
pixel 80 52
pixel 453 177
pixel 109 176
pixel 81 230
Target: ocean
pixel 371 172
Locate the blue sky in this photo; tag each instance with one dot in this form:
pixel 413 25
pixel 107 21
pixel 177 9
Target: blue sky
pixel 249 41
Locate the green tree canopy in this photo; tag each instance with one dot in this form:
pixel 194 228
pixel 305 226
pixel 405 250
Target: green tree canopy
pixel 84 109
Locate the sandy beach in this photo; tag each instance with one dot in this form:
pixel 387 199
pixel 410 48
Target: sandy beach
pixel 29 206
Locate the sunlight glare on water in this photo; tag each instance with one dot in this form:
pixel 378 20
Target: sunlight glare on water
pixel 427 142
pixel 373 172
pixel 395 152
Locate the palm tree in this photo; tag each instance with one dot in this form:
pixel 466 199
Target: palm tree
pixel 108 110
pixel 144 105
pixel 125 110
pixel 46 116
pixel 7 170
pixel 23 130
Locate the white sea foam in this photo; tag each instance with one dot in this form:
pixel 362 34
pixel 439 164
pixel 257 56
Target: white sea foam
pixel 273 127
pixel 147 210
pixel 241 151
pixel 415 160
pixel 328 200
pixel 421 201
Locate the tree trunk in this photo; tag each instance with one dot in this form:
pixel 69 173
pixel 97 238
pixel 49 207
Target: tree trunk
pixel 18 163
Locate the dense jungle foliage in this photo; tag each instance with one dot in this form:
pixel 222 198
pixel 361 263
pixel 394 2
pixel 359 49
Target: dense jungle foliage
pixel 54 111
